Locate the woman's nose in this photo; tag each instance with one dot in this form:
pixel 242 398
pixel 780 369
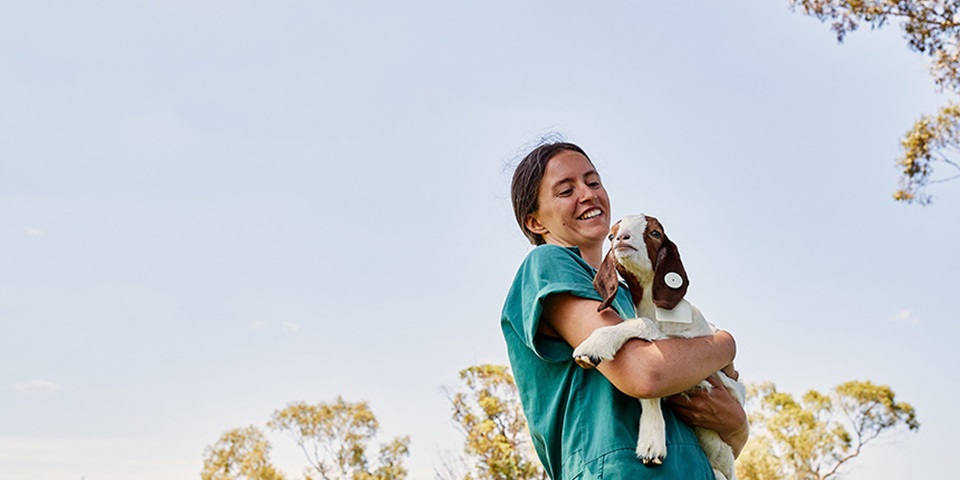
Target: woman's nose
pixel 587 195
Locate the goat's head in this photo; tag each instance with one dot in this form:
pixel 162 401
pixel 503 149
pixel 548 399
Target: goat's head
pixel 643 255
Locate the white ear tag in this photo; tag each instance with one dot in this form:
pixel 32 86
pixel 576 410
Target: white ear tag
pixel 673 280
pixel 682 313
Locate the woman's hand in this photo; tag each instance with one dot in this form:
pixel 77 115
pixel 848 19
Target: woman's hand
pixel 715 409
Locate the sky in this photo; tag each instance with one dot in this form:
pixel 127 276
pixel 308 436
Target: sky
pixel 212 209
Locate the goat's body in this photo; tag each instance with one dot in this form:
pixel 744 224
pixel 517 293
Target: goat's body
pixel 651 440
pixel 604 343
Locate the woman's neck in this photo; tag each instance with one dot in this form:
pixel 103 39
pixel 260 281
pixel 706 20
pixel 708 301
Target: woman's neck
pixel 592 255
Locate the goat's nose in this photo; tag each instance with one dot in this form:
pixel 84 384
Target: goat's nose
pixel 623 236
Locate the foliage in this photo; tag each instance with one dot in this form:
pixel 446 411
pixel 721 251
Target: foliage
pixel 491 417
pixel 334 436
pixel 923 145
pixel 240 454
pixel 813 438
pixel 931 27
pixel 758 461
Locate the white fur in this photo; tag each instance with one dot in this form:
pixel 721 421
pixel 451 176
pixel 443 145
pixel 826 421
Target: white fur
pixel 604 342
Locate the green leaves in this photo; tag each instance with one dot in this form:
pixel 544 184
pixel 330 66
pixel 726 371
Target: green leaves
pixel 930 28
pixel 872 409
pixel 333 437
pixel 240 454
pixel 490 415
pixel 811 439
pixel 923 145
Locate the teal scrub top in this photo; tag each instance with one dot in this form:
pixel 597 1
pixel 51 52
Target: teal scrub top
pixel 582 426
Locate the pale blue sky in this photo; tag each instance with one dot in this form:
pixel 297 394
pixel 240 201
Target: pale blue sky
pixel 211 209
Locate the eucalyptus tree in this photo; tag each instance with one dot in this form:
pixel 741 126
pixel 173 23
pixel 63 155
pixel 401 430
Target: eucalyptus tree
pixel 931 28
pixel 814 437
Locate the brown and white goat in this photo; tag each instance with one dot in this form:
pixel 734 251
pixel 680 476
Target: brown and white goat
pixel 650 265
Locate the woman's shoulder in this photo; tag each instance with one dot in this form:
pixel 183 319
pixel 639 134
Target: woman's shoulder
pixel 552 261
pixel 553 253
pixel 552 264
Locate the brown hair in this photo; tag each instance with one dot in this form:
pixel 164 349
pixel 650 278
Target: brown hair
pixel 526 182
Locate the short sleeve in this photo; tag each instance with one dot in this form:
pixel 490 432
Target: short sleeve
pixel 547 270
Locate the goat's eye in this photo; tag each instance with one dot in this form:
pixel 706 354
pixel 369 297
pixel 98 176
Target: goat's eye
pixel 610 237
pixel 655 234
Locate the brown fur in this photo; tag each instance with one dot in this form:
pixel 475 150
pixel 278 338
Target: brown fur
pixel 663 255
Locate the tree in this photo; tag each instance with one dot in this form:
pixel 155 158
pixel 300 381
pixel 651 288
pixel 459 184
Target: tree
pixel 490 415
pixel 758 461
pixel 240 454
pixel 334 436
pixel 931 27
pixel 813 438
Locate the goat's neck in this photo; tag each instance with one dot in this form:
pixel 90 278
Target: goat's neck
pixel 641 289
pixel 645 306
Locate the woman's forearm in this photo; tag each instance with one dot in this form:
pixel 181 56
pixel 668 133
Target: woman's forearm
pixel 640 368
pixel 666 367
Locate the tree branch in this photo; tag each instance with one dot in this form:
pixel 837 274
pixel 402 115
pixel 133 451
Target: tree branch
pixel 943 158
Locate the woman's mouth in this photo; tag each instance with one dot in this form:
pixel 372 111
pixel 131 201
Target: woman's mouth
pixel 596 212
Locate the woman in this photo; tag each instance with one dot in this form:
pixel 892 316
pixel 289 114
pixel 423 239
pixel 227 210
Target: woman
pixel 584 422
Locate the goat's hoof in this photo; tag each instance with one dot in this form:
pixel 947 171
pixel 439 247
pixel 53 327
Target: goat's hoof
pixel 652 461
pixel 587 361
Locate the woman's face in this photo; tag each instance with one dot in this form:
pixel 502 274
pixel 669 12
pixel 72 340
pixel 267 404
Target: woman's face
pixel 572 206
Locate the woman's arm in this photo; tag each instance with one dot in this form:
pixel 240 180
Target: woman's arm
pixel 660 369
pixel 640 369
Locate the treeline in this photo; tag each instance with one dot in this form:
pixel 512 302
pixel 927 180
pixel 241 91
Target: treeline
pixel 810 438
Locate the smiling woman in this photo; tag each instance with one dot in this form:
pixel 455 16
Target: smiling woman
pixel 583 422
pixel 572 205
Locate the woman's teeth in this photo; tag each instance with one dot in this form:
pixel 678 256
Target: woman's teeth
pixel 590 214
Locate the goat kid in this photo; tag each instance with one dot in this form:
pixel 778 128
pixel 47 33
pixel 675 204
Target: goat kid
pixel 650 265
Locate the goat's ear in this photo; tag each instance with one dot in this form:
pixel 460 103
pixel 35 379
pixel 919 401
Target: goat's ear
pixel 606 282
pixel 669 278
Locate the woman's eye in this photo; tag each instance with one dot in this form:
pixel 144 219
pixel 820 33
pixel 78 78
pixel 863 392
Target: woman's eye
pixel 566 193
pixel 593 184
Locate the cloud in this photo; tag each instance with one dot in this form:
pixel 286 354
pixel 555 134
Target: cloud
pixel 259 325
pixel 291 327
pixel 36 386
pixel 32 231
pixel 906 315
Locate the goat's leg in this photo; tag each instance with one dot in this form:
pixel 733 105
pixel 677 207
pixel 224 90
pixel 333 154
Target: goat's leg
pixel 652 437
pixel 718 453
pixel 604 342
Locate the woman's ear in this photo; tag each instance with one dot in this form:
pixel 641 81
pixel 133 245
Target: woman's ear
pixel 606 281
pixel 669 278
pixel 533 224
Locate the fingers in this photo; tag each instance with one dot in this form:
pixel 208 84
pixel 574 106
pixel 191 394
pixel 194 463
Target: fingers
pixel 714 409
pixel 731 372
